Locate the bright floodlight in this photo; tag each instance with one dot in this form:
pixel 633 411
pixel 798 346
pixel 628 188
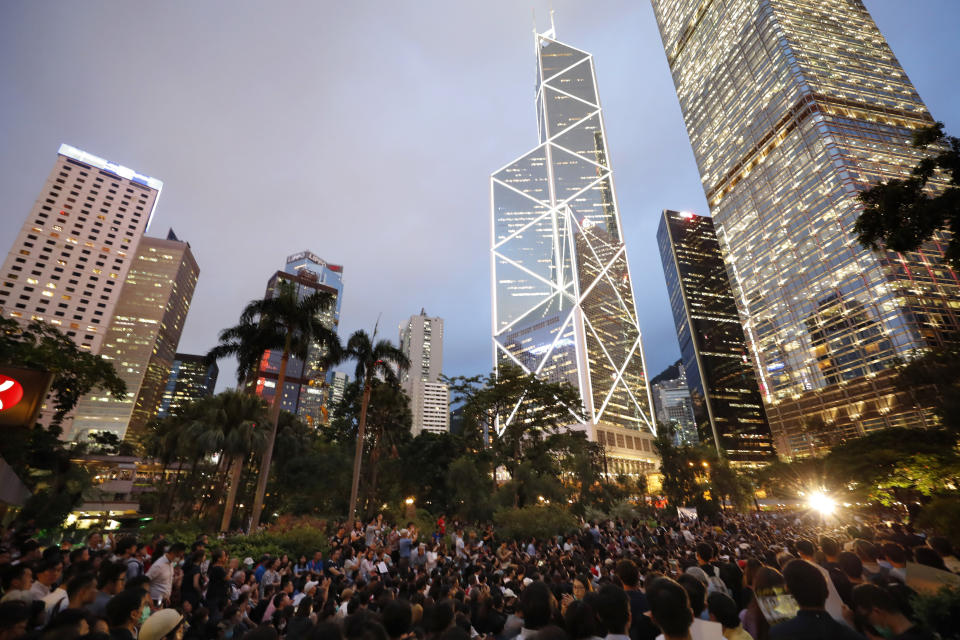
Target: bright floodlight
pixel 823 503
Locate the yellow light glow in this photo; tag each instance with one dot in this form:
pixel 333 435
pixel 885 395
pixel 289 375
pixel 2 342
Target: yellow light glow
pixel 821 502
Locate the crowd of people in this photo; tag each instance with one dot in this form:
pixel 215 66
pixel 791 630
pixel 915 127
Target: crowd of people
pixel 739 577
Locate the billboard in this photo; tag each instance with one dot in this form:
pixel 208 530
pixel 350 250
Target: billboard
pixel 21 395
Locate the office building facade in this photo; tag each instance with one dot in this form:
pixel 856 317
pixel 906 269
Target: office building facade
pixel 563 305
pixel 141 341
pixel 726 398
pixel 191 378
pixel 71 258
pixel 673 407
pixel 421 340
pixel 303 392
pixel 792 108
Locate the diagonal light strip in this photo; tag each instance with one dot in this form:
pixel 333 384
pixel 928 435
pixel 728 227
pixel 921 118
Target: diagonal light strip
pixel 522 229
pixel 553 345
pixel 529 311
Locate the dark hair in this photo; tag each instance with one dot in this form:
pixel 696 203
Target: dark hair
pixel 696 591
pixel 866 549
pixel 941 546
pixel 613 608
pixel 66 618
pixel 13 613
pixel 125 543
pixel 110 572
pixel 805 547
pixel 535 605
pixel 12 572
pixel 628 573
pixel 48 564
pixel 581 620
pixel 397 616
pixel 894 552
pixel 137 583
pixel 551 632
pixel 670 606
pixel 806 584
pixel 929 557
pixel 438 617
pixel 325 631
pixel 724 609
pixel 705 551
pixel 120 606
pixel 868 596
pixel 263 632
pixel 829 546
pixel 177 547
pixel 850 564
pixel 79 582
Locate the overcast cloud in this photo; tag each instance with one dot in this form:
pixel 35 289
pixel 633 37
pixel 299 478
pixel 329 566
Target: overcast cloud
pixel 365 132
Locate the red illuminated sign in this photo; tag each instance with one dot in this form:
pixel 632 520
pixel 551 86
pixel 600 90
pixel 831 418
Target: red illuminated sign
pixel 11 392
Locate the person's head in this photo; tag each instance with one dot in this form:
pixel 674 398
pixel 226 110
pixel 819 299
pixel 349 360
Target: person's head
pixel 112 577
pixel 805 548
pixel 894 554
pixel 176 551
pixel 806 584
pixel 696 591
pixel 581 587
pixel 138 583
pixel 166 624
pixel 438 617
pixel 123 609
pixel 850 565
pixel 14 615
pixel 69 623
pixel 704 553
pixel 49 571
pixel 829 546
pixel 581 620
pixel 865 550
pixel 670 607
pixel 126 546
pixel 613 609
pixel 628 573
pixel 929 557
pixel 724 610
pixel 81 590
pixel 80 554
pixel 397 616
pixel 17 576
pixel 874 605
pixel 536 605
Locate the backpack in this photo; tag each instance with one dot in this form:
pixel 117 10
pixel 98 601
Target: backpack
pixel 715 584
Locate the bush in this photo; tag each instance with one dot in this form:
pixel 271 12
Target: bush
pixel 295 542
pixel 939 612
pixel 533 521
pixel 942 515
pixel 185 532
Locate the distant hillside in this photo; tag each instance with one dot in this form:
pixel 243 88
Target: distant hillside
pixel 670 373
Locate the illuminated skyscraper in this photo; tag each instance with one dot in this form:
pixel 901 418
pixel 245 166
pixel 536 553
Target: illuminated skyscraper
pixel 142 339
pixel 303 392
pixel 191 378
pixel 563 305
pixel 792 108
pixel 726 399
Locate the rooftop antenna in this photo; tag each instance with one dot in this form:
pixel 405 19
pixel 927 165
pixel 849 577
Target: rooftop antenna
pixel 553 28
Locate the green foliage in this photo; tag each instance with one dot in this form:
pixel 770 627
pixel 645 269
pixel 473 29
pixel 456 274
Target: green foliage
pixel 533 521
pixel 76 372
pixel 185 531
pixel 939 612
pixel 471 486
pixel 903 214
pixel 942 514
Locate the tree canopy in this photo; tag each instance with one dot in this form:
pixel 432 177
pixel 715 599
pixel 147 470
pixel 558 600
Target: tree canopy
pixel 904 213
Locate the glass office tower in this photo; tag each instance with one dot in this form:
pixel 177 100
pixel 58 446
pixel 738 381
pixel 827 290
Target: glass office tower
pixel 191 378
pixel 726 399
pixel 563 305
pixel 792 108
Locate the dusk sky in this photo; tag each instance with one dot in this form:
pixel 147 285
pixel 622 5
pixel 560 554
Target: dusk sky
pixel 366 133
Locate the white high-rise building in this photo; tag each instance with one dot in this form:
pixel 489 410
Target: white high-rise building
pixel 71 258
pixel 421 339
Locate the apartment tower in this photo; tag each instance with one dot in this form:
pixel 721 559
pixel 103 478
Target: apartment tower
pixel 726 398
pixel 792 108
pixel 141 341
pixel 421 340
pixel 563 305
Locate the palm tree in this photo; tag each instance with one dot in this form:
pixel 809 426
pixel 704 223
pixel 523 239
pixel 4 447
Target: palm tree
pixel 283 322
pixel 234 417
pixel 381 360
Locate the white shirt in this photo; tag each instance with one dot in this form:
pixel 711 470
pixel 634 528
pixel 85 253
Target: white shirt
pixel 161 578
pixel 702 630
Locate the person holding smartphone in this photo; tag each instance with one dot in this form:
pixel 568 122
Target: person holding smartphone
pixel 161 573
